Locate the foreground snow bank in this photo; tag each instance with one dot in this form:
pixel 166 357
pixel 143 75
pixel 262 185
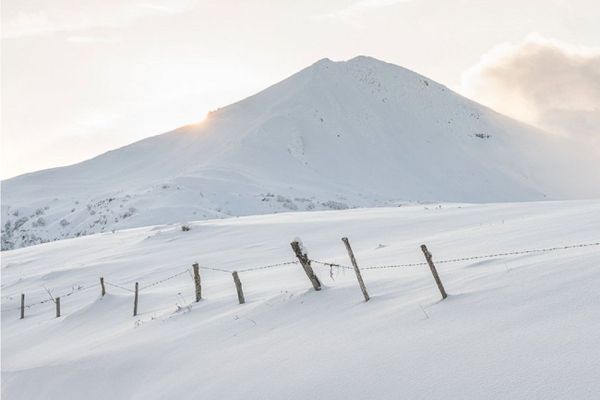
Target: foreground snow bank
pixel 520 327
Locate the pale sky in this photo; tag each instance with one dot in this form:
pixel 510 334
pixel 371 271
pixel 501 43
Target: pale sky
pixel 82 77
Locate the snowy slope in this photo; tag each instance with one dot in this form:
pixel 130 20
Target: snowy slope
pixel 513 327
pixel 334 135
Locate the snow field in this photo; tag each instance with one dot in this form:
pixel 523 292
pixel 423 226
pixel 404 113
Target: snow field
pixel 522 326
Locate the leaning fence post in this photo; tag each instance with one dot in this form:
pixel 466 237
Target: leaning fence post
pixel 57 301
pixel 196 268
pixel 102 285
pixel 135 300
pixel 238 287
pixel 305 262
pixel 22 305
pixel 356 269
pixel 438 281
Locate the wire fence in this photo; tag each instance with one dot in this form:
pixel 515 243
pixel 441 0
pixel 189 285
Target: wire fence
pixel 80 289
pixel 77 289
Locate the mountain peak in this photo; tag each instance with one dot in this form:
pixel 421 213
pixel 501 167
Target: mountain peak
pixel 365 59
pixel 357 61
pixel 352 133
pixel 360 59
pixel 322 61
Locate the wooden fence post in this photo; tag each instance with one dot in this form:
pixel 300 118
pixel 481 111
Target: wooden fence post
pixel 305 262
pixel 438 281
pixel 22 305
pixel 196 268
pixel 135 300
pixel 102 285
pixel 356 269
pixel 238 287
pixel 57 301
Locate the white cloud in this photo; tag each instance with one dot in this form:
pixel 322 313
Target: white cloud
pixel 25 24
pixel 548 83
pixel 354 10
pixel 39 17
pixel 85 39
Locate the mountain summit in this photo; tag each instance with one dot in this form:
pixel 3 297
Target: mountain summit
pixel 334 135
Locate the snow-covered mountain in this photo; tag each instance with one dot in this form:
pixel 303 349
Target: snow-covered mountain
pixel 334 135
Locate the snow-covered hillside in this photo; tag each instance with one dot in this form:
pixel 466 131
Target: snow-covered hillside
pixel 335 135
pixel 513 327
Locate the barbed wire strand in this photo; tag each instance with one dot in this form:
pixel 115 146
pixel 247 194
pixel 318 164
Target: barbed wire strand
pixel 215 269
pixel 119 286
pixel 542 250
pixel 452 260
pixel 496 255
pixel 80 289
pixel 74 290
pixel 164 280
pixel 281 264
pixel 330 264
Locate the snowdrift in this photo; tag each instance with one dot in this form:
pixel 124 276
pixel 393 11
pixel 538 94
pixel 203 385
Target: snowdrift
pixel 517 326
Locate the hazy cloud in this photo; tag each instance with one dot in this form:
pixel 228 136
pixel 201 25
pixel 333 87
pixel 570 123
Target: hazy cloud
pixel 86 39
pixel 354 10
pixel 39 17
pixel 548 83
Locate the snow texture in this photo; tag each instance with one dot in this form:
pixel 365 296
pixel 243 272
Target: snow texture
pixel 513 327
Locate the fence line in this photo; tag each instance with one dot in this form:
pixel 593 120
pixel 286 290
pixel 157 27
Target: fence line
pixel 156 283
pixel 79 289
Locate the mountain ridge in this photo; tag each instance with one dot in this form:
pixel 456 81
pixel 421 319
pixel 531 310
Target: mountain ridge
pixel 334 135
